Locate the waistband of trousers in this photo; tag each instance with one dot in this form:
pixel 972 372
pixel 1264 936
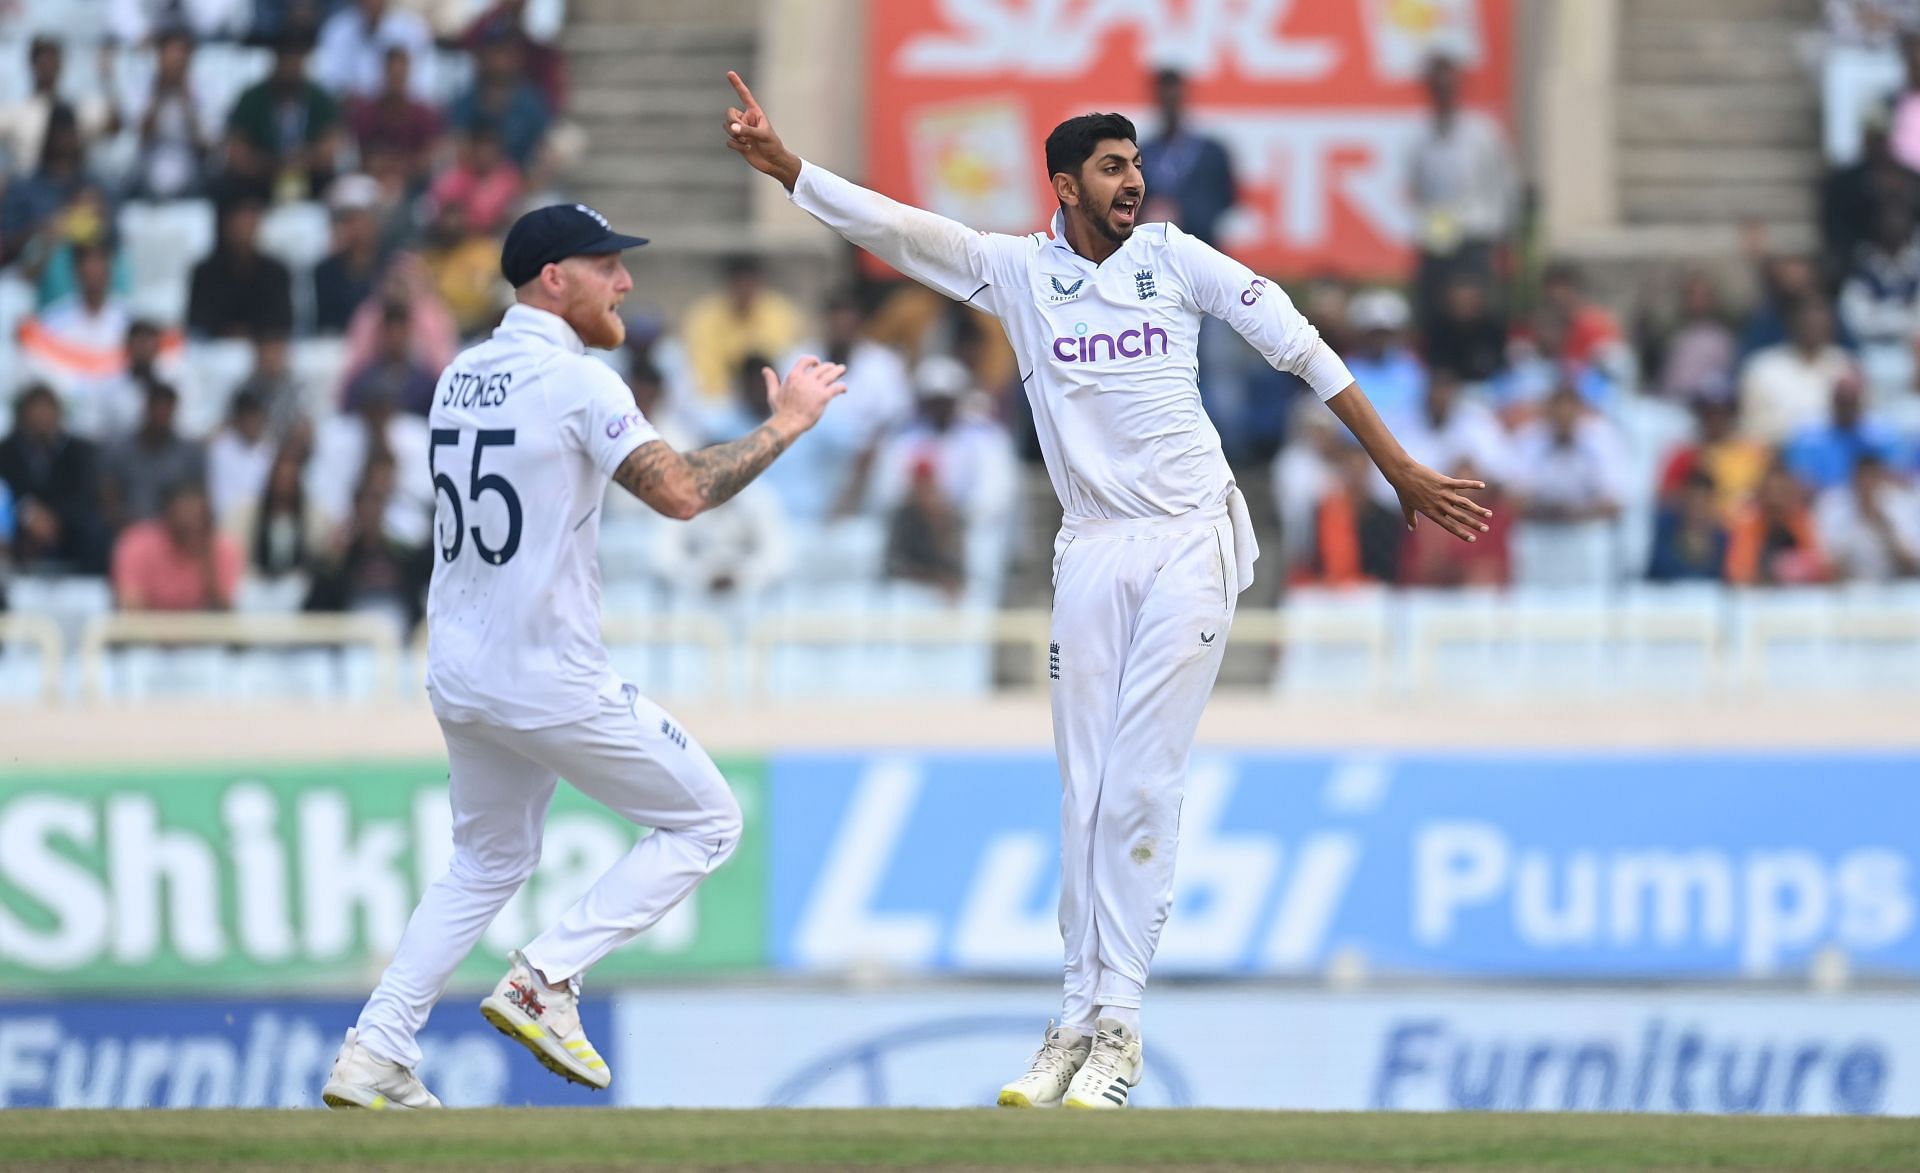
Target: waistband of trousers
pixel 1144 527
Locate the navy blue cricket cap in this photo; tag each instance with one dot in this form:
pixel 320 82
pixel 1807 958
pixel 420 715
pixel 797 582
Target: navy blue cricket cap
pixel 554 233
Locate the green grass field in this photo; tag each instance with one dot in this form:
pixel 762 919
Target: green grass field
pixel 480 1142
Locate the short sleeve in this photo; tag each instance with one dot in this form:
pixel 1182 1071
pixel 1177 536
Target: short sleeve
pixel 611 426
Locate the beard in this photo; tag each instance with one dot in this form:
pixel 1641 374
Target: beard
pixel 1102 221
pixel 598 327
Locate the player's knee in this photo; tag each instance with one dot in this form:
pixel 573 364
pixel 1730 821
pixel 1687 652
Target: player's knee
pixel 492 872
pixel 725 826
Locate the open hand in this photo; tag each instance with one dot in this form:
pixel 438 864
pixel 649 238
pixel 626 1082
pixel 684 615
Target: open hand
pixel 809 386
pixel 1422 490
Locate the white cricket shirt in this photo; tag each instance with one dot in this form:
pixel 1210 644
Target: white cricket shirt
pixel 526 429
pixel 1108 352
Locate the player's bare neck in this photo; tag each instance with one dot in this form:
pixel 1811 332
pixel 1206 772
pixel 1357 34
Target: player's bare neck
pixel 1082 239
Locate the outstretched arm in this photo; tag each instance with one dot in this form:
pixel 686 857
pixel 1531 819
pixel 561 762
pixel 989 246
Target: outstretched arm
pixel 1265 316
pixel 681 485
pixel 1420 489
pixel 931 249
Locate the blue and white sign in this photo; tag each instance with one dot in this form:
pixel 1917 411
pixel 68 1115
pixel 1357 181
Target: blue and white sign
pixel 1238 1046
pixel 1598 865
pixel 241 1053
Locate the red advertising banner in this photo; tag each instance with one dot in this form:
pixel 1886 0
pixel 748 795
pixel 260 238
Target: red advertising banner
pixel 1316 101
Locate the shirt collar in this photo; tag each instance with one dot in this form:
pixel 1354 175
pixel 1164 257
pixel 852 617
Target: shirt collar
pixel 525 320
pixel 1059 230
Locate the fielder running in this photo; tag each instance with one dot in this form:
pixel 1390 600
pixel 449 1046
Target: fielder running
pixel 526 429
pixel 1156 545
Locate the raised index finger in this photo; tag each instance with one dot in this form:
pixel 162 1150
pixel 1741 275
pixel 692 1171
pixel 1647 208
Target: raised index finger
pixel 740 87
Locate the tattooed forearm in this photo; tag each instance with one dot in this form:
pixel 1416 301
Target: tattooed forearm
pixel 724 469
pixel 646 468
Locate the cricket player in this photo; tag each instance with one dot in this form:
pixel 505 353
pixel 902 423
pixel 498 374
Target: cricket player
pixel 1104 314
pixel 526 429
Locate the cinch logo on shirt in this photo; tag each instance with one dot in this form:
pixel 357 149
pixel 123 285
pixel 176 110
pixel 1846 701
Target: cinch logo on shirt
pixel 621 426
pixel 1083 347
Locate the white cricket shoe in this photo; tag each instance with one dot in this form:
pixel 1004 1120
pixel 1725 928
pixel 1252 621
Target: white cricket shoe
pixel 361 1079
pixel 1047 1077
pixel 546 1022
pixel 1111 1071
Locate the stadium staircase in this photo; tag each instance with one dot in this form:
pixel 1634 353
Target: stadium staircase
pixel 649 88
pixel 1716 122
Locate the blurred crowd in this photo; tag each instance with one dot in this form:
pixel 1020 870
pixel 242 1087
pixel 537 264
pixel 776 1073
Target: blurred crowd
pixel 1766 435
pixel 227 290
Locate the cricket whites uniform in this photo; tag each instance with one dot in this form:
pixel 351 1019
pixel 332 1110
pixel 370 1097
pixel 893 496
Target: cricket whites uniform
pixel 526 430
pixel 1156 545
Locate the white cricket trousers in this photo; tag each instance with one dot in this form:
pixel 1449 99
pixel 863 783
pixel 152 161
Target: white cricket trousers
pixel 631 757
pixel 1141 609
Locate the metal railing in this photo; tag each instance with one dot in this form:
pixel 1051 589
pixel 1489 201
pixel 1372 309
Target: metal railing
pixel 1386 645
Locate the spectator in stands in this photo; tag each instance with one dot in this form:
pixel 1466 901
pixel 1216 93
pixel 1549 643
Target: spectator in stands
pixel 367 569
pixel 1862 65
pixel 1690 534
pixel 174 140
pixel 1774 541
pixel 503 99
pixel 132 22
pixel 1785 282
pixel 113 411
pixel 394 120
pixel 393 374
pixel 285 131
pixel 54 478
pixel 406 280
pixel 880 393
pixel 724 328
pixel 1449 428
pixel 1592 335
pixel 1870 528
pixel 1189 174
pixel 465 266
pixel 1701 350
pixel 344 279
pixel 541 63
pixel 1466 335
pixel 1732 462
pixel 272 384
pixel 747 550
pixel 1380 359
pixel 1879 303
pixel 25 125
pixel 1462 182
pixel 78 344
pixel 483 182
pixel 32 210
pixel 1904 132
pixel 141 469
pixel 238 458
pixel 971 461
pixel 239 291
pixel 349 448
pixel 1569 485
pixel 1789 386
pixel 176 561
pixel 350 59
pixel 281 531
pixel 1851 196
pixel 926 537
pixel 1356 537
pixel 1822 455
